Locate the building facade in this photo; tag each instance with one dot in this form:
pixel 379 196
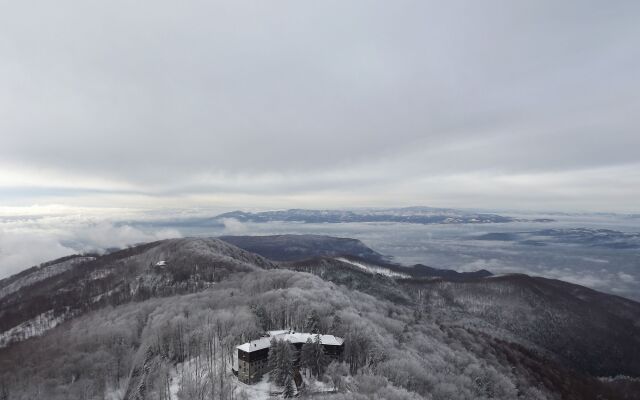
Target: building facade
pixel 252 357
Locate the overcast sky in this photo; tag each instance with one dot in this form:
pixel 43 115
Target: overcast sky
pixel 490 104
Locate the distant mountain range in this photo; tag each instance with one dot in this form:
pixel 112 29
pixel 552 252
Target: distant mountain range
pixel 583 236
pixel 410 215
pixel 413 215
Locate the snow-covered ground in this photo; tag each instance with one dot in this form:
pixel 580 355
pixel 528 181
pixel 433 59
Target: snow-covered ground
pixel 265 390
pixel 262 390
pixel 374 269
pixel 316 386
pixel 259 391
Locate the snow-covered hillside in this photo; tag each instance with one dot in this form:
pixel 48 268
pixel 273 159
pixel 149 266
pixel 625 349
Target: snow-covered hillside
pixel 33 327
pixel 41 273
pixel 374 269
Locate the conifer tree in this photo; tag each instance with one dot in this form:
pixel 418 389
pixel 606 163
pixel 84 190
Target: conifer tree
pixel 320 360
pixel 289 390
pixel 313 323
pixel 280 362
pixel 312 356
pixel 337 327
pixel 306 355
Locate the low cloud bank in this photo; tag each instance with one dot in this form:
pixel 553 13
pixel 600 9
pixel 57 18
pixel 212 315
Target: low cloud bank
pixel 25 242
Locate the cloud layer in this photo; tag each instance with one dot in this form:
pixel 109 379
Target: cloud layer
pixel 332 103
pixel 29 238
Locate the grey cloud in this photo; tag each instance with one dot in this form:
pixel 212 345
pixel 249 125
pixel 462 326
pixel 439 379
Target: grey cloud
pixel 296 97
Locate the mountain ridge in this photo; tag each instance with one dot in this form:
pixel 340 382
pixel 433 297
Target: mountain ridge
pixel 533 337
pixel 414 215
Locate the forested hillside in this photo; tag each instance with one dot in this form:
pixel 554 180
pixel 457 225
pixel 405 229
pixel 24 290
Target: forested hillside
pixel 161 321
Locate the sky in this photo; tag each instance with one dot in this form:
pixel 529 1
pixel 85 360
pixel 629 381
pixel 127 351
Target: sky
pixel 490 104
pixel 122 105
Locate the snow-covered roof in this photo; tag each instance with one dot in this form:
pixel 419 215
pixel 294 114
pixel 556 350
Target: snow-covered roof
pixel 277 333
pixel 254 345
pixel 289 336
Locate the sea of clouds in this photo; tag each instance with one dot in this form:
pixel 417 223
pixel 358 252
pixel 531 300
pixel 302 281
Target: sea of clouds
pixel 30 236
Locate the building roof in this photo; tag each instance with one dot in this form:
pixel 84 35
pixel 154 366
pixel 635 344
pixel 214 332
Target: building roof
pixel 289 336
pixel 255 345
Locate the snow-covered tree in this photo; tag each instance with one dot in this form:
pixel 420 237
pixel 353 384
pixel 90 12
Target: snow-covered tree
pixel 312 356
pixel 281 357
pixel 313 323
pixel 306 355
pixel 289 390
pixel 337 326
pixel 336 372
